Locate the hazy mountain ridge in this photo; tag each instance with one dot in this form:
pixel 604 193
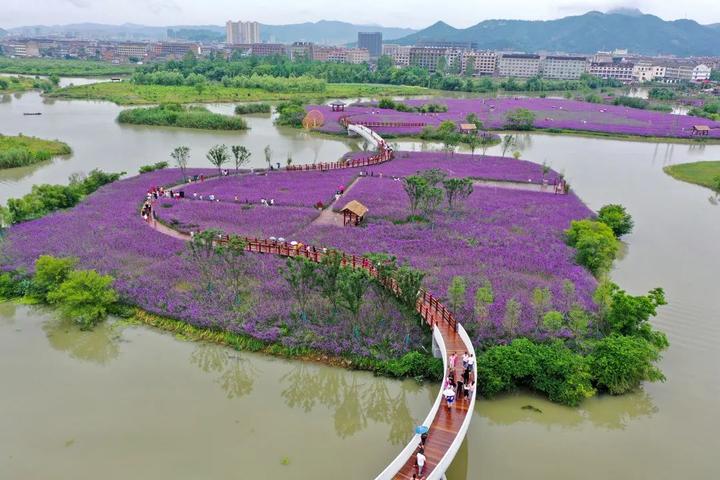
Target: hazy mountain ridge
pixel 588 33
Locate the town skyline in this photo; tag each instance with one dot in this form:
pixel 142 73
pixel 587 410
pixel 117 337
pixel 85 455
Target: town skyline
pixel 371 12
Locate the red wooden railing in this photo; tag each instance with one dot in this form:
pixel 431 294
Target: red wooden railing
pixel 428 306
pixel 384 155
pixel 371 123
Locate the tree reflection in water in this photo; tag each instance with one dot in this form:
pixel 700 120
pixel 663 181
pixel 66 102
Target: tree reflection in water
pixel 604 411
pixel 236 375
pixel 99 345
pixel 353 397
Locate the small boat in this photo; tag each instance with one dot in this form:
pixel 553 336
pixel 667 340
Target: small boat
pixel 32 113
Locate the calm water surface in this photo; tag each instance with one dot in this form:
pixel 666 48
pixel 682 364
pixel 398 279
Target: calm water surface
pixel 95 404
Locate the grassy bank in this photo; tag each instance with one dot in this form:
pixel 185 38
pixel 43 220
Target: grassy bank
pixel 21 151
pixel 175 115
pixel 413 364
pixel 68 68
pixel 127 93
pixel 12 84
pixel 706 174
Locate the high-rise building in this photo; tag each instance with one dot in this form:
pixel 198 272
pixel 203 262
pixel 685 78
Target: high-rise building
pixel 242 32
pixel 372 42
pixel 563 67
pixel 518 65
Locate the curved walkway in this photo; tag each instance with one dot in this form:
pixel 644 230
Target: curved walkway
pixel 447 426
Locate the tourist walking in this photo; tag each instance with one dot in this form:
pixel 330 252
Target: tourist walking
pixel 449 394
pixel 420 461
pixel 452 361
pixel 465 360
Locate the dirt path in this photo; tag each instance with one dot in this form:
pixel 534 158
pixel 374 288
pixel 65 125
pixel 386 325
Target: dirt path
pixel 328 216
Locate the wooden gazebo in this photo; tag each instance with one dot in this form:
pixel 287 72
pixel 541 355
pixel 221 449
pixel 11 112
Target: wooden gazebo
pixel 701 130
pixel 337 106
pixel 353 213
pixel 468 128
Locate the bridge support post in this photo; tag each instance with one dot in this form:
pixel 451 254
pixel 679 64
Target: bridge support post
pixel 437 353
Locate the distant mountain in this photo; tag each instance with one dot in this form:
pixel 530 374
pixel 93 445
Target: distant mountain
pixel 588 33
pixel 324 31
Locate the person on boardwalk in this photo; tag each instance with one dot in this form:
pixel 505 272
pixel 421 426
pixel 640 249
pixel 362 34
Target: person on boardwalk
pixel 449 394
pixel 465 360
pixel 469 389
pixel 420 461
pixel 452 361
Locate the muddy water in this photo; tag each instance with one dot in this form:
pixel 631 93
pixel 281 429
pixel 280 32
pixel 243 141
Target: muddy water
pixel 665 431
pixel 119 403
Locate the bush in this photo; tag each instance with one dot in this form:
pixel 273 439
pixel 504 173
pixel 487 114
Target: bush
pixel 616 217
pixel 173 115
pixel 13 285
pixel 153 167
pixel 519 119
pixel 291 113
pixel 553 369
pixel 620 363
pixel 595 243
pixel 50 273
pixel 413 364
pixel 85 297
pixel 245 108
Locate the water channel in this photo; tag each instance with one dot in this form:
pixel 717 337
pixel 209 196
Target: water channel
pixel 130 401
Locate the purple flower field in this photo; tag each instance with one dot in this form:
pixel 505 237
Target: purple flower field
pixel 549 112
pixel 511 238
pixel 300 189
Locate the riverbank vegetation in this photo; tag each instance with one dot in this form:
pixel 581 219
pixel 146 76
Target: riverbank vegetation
pixel 706 174
pixel 44 199
pixel 13 84
pixel 128 93
pixel 710 110
pixel 247 108
pixel 65 68
pixel 175 115
pixel 20 151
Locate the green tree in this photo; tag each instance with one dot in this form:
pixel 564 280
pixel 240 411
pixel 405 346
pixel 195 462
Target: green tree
pixel 85 296
pixel 218 156
pixel 241 155
pixel 415 187
pixel 301 275
pixel 513 313
pixel 457 190
pixel 430 202
pixel 409 280
pixel 328 274
pixel 352 286
pixel 595 244
pixel 541 302
pixel 630 315
pixel 616 217
pixel 456 293
pixel 553 321
pixel 484 298
pixel 181 155
pixel 519 119
pixel 620 363
pixel 433 176
pixel 50 273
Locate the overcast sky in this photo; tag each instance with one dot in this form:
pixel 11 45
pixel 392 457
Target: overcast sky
pixel 401 13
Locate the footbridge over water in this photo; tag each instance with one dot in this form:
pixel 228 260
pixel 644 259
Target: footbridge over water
pixel 371 136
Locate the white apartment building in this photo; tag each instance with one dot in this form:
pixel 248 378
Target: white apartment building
pixel 564 68
pixel 701 73
pixel 357 55
pixel 643 72
pixel 519 65
pixel 242 32
pixel 399 54
pixel 621 71
pixel 127 50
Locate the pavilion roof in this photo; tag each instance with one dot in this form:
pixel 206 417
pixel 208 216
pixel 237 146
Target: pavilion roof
pixel 356 207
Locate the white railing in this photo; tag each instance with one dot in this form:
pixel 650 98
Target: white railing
pixel 397 464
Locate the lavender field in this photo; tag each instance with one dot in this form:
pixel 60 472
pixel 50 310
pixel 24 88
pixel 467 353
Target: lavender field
pixel 550 113
pixel 513 239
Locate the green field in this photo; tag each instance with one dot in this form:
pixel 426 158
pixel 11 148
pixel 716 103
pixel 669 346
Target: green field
pixel 127 93
pixel 21 151
pixel 66 68
pixel 706 174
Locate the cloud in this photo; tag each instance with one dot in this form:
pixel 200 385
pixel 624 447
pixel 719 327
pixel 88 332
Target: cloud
pixel 161 6
pixel 79 3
